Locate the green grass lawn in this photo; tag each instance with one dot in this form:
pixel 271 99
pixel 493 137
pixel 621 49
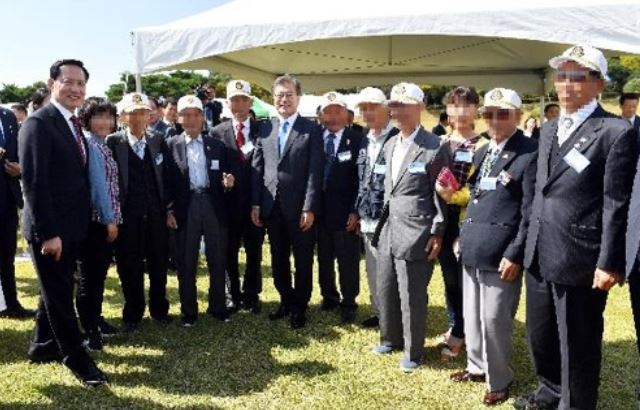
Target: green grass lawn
pixel 252 362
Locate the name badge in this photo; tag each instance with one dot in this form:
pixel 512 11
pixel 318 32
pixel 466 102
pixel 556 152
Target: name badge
pixel 488 184
pixel 418 167
pixel 379 169
pixel 344 156
pixel 247 148
pixel 463 156
pixel 504 178
pixel 159 159
pixel 215 165
pixel 576 160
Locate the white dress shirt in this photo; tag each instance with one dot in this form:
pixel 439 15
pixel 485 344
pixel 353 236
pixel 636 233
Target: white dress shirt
pixel 632 119
pixel 196 162
pixel 291 120
pixel 66 114
pixel 376 142
pixel 245 129
pixel 133 140
pixel 336 140
pixel 400 151
pixel 568 123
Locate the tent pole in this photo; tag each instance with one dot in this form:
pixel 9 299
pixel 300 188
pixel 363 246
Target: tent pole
pixel 138 83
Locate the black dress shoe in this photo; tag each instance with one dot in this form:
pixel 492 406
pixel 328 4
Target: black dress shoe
pixel 221 316
pixel 106 329
pixel 253 306
pixel 189 320
pixel 93 341
pixel 130 327
pixel 279 313
pixel 328 304
pixel 347 315
pixel 17 312
pixel 372 322
pixel 85 369
pixel 47 355
pixel 298 320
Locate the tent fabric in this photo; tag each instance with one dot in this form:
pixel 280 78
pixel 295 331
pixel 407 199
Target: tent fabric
pixel 340 44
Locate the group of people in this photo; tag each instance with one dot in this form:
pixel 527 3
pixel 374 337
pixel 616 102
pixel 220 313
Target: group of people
pixel 495 210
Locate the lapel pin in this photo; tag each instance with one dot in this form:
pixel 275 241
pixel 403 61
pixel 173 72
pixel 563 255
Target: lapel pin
pixel 505 156
pixel 576 145
pixel 348 142
pixel 583 139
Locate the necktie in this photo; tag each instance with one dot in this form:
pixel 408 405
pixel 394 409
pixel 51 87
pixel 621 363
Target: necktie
pixel 78 134
pixel 240 135
pixel 138 148
pixel 330 151
pixel 3 142
pixel 282 136
pixel 563 130
pixel 487 164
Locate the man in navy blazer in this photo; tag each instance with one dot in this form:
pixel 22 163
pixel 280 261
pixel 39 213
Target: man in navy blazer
pixel 575 242
pixel 53 155
pixel 286 186
pixel 10 202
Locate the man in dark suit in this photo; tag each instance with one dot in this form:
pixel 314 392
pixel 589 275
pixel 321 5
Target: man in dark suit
pixel 410 229
pixel 575 242
pixel 443 122
pixel 286 184
pixel 502 187
pixel 10 201
pixel 142 239
pixel 197 177
pixel 53 155
pixel 239 137
pixel 337 225
pixel 628 108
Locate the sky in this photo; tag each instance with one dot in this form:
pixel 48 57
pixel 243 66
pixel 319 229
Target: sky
pixel 35 33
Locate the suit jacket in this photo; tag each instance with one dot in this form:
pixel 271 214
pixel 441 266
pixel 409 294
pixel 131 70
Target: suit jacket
pixel 341 191
pixel 439 130
pixel 371 185
pixel 636 124
pixel 55 181
pixel 416 211
pixel 119 145
pixel 578 220
pixel 501 214
pixel 10 191
pixel 238 199
pixel 295 177
pixel 178 182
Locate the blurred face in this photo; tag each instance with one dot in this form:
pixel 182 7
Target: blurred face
pixel 461 115
pixel 376 116
pixel 552 112
pixel 501 122
pixel 286 99
pixel 576 86
pixel 211 93
pixel 335 117
pixel 102 124
pixel 153 114
pixel 20 115
pixel 70 87
pixel 192 121
pixel 406 115
pixel 530 123
pixel 137 121
pixel 171 113
pixel 240 106
pixel 629 108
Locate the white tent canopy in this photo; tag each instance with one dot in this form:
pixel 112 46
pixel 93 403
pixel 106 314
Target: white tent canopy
pixel 333 44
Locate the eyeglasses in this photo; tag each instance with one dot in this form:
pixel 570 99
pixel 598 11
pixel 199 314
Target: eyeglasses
pixel 575 76
pixel 499 114
pixel 282 96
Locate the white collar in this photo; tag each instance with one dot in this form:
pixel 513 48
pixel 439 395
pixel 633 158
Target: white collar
pixel 632 119
pixel 386 130
pixel 580 115
pixel 500 147
pixel 408 139
pixel 65 112
pixel 338 134
pixel 132 140
pixel 290 120
pixel 246 123
pixel 189 139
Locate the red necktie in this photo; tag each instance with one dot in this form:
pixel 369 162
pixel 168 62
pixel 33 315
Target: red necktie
pixel 240 139
pixel 78 134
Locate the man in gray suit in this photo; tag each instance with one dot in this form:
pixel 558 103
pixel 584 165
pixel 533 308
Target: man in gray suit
pixel 410 229
pixel 288 166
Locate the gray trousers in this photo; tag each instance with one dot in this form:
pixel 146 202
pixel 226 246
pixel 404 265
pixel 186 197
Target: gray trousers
pixel 402 296
pixel 371 265
pixel 489 306
pixel 201 220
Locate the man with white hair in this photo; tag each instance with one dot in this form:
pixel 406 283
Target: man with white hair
pixel 371 170
pixel 411 228
pixel 575 249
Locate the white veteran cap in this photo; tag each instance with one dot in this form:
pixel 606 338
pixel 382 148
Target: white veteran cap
pixel 332 98
pixel 585 55
pixel 189 101
pixel 502 98
pixel 406 93
pixel 133 101
pixel 371 95
pixel 238 87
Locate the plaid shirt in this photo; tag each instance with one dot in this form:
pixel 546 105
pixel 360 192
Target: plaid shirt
pixel 461 169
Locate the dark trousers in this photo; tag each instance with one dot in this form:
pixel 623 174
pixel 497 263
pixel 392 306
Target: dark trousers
pixel 8 243
pixel 564 326
pixel 452 273
pixel 285 236
pixel 56 328
pixel 345 247
pixel 143 238
pixel 201 220
pixel 634 290
pixel 95 257
pixel 242 232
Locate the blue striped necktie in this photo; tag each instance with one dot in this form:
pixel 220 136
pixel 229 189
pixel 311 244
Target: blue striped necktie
pixel 282 136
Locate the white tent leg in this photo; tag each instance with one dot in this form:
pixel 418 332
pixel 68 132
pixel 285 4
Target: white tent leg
pixel 138 83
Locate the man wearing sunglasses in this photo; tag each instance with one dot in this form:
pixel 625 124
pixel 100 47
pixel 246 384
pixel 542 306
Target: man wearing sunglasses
pixel 576 238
